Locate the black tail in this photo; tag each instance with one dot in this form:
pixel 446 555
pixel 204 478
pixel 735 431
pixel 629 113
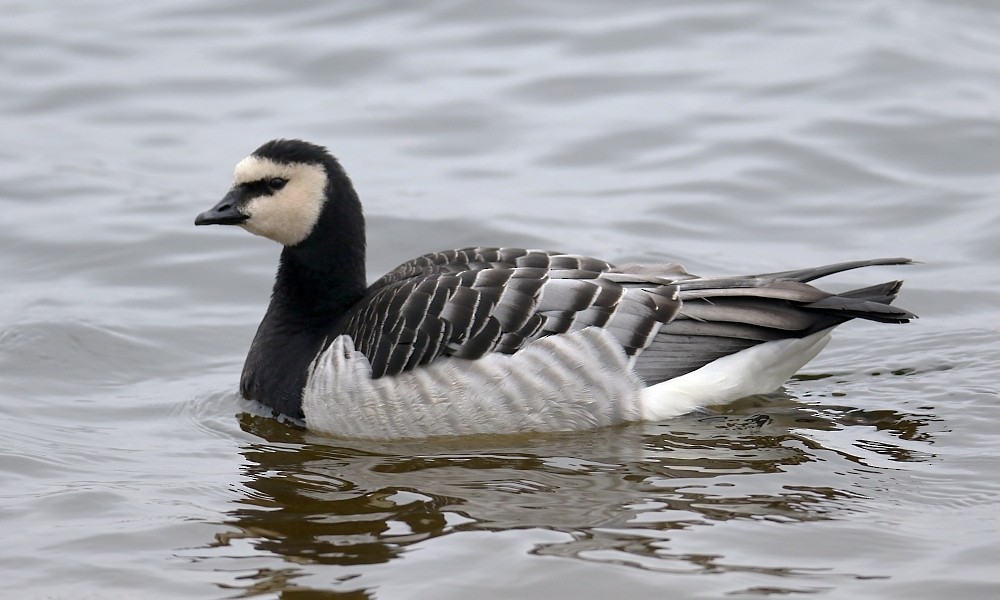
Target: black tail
pixel 871 303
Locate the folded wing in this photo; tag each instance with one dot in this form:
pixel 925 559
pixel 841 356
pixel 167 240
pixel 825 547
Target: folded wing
pixel 470 302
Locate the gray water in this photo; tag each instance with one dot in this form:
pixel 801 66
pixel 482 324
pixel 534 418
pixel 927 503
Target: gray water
pixel 734 136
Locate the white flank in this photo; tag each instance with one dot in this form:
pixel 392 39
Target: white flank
pixel 575 381
pixel 569 382
pixel 757 370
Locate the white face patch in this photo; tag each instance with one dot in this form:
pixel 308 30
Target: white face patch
pixel 288 215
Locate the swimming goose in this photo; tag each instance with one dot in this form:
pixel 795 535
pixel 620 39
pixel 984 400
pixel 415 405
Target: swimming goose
pixel 503 340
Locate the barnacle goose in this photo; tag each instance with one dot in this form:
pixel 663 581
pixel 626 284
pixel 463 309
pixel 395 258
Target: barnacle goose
pixel 503 340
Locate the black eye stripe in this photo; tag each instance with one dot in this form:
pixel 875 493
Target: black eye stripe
pixel 264 187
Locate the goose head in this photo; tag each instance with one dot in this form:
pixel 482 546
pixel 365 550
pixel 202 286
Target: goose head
pixel 281 191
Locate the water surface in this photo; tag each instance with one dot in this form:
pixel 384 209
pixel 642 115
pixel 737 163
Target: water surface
pixel 736 136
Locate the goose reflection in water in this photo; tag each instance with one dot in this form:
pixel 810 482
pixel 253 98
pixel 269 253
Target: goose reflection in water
pixel 620 494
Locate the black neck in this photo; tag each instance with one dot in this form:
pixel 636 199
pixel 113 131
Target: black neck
pixel 319 280
pixel 324 276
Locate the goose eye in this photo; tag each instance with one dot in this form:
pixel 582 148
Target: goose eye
pixel 277 183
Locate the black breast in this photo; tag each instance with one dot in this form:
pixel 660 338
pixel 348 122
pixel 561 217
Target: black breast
pixel 277 365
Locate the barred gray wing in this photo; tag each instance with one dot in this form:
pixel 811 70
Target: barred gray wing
pixel 467 303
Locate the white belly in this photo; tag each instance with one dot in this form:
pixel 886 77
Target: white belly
pixel 575 381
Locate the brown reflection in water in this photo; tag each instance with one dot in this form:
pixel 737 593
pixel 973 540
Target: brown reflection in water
pixel 312 500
